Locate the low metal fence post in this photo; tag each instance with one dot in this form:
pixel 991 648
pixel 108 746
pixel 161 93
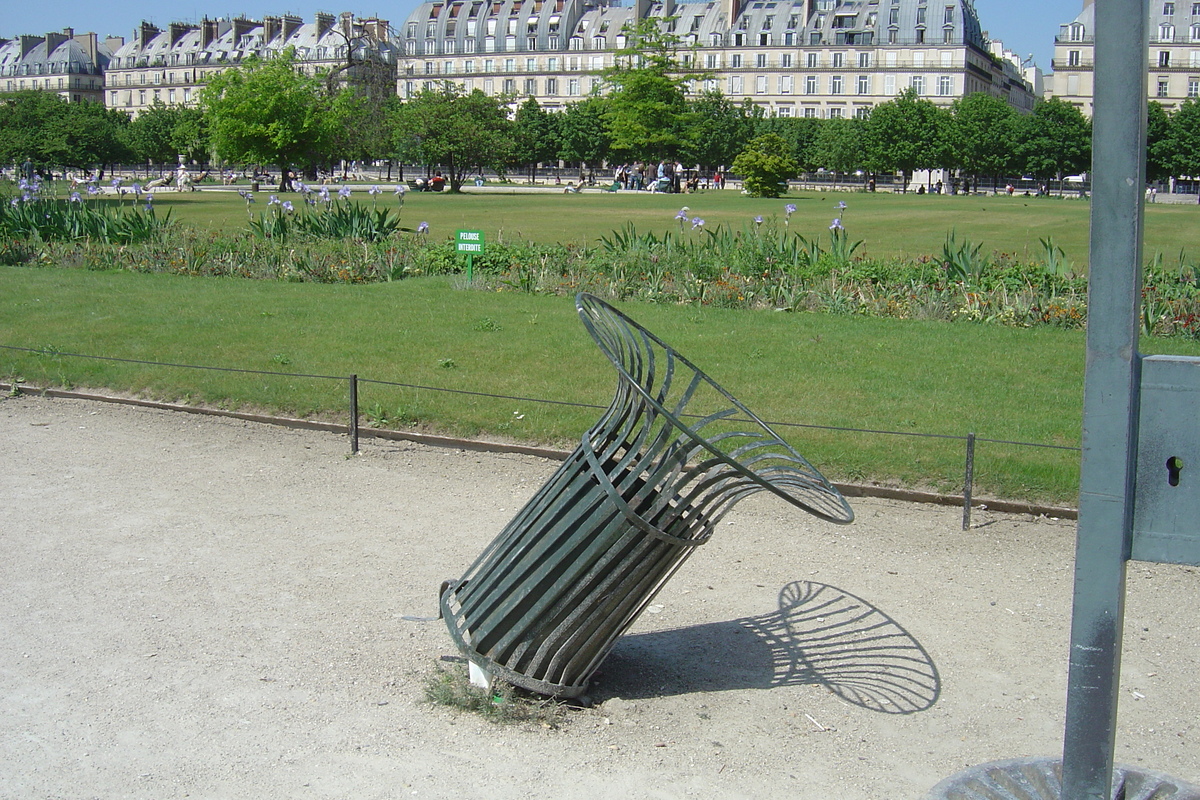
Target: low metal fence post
pixel 353 414
pixel 968 482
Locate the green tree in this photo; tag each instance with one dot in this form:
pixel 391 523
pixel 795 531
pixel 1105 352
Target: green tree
pixel 982 131
pixel 907 134
pixel 1184 138
pixel 151 135
pixel 461 132
pixel 190 135
pixel 647 112
pixel 799 132
pixel 54 133
pixel 1055 140
pixel 582 134
pixel 1160 152
pixel 838 145
pixel 533 135
pixel 720 130
pixel 766 165
pixel 271 112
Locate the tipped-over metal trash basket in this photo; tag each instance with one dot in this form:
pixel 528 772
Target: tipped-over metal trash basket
pixel 544 603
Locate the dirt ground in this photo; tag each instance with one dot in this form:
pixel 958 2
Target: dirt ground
pixel 205 607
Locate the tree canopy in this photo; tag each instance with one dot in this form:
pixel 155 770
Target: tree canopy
pixel 982 131
pixel 462 132
pixel 646 109
pixel 766 166
pixel 907 134
pixel 1055 140
pixel 52 132
pixel 271 112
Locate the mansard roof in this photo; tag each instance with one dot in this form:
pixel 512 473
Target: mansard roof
pixel 704 22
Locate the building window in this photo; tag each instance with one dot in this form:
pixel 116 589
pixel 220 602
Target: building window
pixel 1164 58
pixel 838 60
pixel 783 111
pixel 835 84
pixel 510 65
pixel 552 86
pixel 864 60
pixel 530 86
pixel 760 84
pixel 1162 87
pixel 810 112
pixel 1076 32
pixel 1168 9
pixel 864 84
pixel 835 113
pixel 735 84
pixel 1194 33
pixel 1166 33
pixel 810 84
pixel 735 60
pixel 948 16
pixel 785 84
pixel 945 86
pixel 1073 58
pixel 918 84
pixel 892 36
pixel 862 112
pixel 711 61
pixel 893 16
pixel 764 39
pixel 1193 88
pixel 573 87
pixel 760 61
pixel 921 15
pixel 920 36
pixel 813 60
pixel 785 60
pixel 889 85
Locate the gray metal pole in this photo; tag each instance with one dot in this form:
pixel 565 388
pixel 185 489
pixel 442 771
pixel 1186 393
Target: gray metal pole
pixel 1110 397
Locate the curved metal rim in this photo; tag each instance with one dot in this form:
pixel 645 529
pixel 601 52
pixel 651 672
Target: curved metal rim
pixel 584 298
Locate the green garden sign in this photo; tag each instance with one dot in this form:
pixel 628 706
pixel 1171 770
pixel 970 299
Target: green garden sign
pixel 469 242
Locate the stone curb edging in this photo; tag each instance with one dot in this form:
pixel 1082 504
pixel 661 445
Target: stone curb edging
pixel 847 489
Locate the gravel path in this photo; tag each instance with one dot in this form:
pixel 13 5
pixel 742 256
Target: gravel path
pixel 205 607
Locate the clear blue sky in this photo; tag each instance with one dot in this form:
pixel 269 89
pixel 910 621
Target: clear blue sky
pixel 1025 26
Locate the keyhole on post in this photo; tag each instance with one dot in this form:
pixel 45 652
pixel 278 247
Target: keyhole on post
pixel 1174 467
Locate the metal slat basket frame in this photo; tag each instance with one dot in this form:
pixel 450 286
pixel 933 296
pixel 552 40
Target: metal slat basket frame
pixel 545 602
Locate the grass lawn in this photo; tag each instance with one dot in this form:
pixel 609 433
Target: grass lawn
pixel 798 370
pixel 889 225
